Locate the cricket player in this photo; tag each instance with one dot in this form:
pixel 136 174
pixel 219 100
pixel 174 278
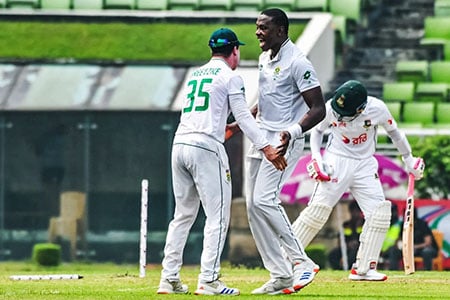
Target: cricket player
pixel 290 102
pixel 353 119
pixel 200 167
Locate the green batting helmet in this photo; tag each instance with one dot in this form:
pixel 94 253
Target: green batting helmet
pixel 349 99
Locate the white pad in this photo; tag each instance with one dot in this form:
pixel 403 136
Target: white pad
pixel 372 237
pixel 310 221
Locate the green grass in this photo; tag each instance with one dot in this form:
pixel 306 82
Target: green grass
pixel 109 281
pixel 120 41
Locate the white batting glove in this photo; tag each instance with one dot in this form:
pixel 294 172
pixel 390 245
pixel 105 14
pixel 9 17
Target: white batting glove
pixel 415 166
pixel 315 170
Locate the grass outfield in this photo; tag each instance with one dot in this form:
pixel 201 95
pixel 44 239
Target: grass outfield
pixel 109 281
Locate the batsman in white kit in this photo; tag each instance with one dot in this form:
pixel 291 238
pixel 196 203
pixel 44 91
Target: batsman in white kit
pixel 200 167
pixel 348 164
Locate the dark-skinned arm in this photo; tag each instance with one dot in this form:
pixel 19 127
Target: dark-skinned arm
pixel 314 100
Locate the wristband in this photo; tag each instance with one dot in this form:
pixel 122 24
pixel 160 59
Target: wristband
pixel 295 131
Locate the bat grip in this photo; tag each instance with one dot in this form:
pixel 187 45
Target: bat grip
pixel 411 184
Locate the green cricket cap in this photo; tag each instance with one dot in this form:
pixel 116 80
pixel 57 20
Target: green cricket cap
pixel 223 37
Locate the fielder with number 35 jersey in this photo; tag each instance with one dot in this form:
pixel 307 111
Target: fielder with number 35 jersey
pixel 348 164
pixel 200 167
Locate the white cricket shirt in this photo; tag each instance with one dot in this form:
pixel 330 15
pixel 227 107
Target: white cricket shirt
pixel 212 92
pixel 357 138
pixel 281 82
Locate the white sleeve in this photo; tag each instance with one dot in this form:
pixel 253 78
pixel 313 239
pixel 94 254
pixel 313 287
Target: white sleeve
pixel 246 121
pixel 400 141
pixel 315 141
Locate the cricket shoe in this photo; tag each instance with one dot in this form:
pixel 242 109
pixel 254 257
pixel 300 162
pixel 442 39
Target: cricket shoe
pixel 172 287
pixel 371 275
pixel 275 287
pixel 215 287
pixel 304 273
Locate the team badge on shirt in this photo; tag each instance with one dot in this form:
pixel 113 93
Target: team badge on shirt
pixel 367 124
pixel 276 73
pixel 228 175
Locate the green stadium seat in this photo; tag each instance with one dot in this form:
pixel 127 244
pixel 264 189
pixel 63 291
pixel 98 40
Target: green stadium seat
pixel 443 113
pixel 431 92
pixel 253 5
pixel 87 4
pixel 118 4
pixel 398 91
pixel 412 70
pixel 22 4
pixel 418 112
pixel 152 4
pixel 436 34
pixel 395 108
pixel 310 5
pixel 446 51
pixel 215 4
pixel 351 9
pixel 55 4
pixel 286 5
pixel 440 71
pixel 442 8
pixel 183 4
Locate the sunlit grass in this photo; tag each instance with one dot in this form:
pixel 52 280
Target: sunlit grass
pixel 110 281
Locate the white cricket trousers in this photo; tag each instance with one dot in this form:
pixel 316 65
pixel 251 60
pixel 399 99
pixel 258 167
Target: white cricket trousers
pixel 357 176
pixel 200 175
pixel 270 226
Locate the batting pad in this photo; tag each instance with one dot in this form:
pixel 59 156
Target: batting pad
pixel 310 221
pixel 372 237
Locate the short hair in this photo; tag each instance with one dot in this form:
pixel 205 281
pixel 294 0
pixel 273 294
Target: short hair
pixel 224 50
pixel 278 16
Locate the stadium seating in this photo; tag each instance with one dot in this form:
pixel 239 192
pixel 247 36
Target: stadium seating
pixel 253 5
pixel 22 3
pixel 436 34
pixel 442 8
pixel 398 91
pixel 418 112
pixel 412 70
pixel 286 5
pixel 215 4
pixel 152 4
pixel 431 92
pixel 310 5
pixel 350 9
pixel 118 4
pixel 87 4
pixel 440 71
pixel 183 4
pixel 443 113
pixel 55 4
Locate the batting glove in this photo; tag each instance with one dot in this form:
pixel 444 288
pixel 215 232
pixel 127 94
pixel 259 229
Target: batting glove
pixel 415 166
pixel 315 171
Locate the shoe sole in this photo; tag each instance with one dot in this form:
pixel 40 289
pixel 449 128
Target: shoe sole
pixel 285 291
pixel 367 279
pixel 298 287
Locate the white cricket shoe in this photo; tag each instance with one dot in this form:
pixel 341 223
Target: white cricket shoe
pixel 371 275
pixel 215 287
pixel 172 287
pixel 275 287
pixel 304 273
